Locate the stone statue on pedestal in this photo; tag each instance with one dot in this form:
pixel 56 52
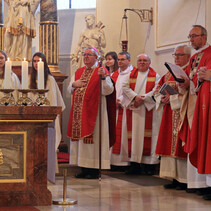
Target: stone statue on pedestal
pixel 89 37
pixel 19 28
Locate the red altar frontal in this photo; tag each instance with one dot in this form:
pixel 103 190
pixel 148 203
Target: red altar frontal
pixel 23 154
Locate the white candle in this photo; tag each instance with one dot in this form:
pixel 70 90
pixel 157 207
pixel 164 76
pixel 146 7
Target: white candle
pixel 7 74
pixel 40 73
pixel 24 74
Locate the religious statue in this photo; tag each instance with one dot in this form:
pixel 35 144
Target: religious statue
pixel 19 28
pixel 89 37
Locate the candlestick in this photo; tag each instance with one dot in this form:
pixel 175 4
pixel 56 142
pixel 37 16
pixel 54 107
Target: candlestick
pixel 40 73
pixel 25 67
pixel 7 74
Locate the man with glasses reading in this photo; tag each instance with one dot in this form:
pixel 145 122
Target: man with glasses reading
pixel 144 122
pixel 196 125
pixel 173 163
pixel 83 126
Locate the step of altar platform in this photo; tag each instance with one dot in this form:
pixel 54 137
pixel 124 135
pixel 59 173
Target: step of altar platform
pixel 71 169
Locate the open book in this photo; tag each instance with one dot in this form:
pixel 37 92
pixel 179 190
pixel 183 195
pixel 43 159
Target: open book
pixel 167 88
pixel 176 72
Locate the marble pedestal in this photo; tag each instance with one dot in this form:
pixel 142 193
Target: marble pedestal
pixel 23 154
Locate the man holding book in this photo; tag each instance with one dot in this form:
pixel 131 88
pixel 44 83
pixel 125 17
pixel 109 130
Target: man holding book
pixel 173 162
pixel 196 125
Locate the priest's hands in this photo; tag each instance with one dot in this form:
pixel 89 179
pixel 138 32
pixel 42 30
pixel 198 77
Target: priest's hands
pixel 118 103
pixel 139 100
pixel 79 83
pixel 101 72
pixel 204 74
pixel 165 98
pixel 186 84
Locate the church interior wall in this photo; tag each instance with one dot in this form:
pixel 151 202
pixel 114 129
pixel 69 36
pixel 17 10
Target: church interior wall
pixel 142 36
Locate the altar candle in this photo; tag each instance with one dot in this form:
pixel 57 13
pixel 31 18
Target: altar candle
pixel 40 74
pixel 25 79
pixel 7 74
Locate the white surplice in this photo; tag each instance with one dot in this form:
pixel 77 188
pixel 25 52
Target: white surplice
pixel 119 159
pixel 87 155
pixel 138 118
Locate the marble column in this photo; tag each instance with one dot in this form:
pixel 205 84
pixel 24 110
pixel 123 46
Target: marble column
pixel 49 33
pixel 49 40
pixel 1 26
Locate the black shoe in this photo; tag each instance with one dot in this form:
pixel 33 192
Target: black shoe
pixel 134 168
pixel 203 191
pixel 173 185
pixel 91 176
pixel 170 186
pixel 181 186
pixel 80 175
pixel 207 197
pixel 191 190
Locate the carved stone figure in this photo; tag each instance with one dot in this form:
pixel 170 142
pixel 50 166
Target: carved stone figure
pixel 89 37
pixel 19 28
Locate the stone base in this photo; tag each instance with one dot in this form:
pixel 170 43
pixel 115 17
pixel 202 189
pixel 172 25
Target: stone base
pixel 26 198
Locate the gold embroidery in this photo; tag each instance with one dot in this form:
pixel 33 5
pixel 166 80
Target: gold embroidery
pixel 78 104
pixel 1 157
pixel 175 128
pixel 151 79
pixel 148 133
pixel 133 80
pixel 195 65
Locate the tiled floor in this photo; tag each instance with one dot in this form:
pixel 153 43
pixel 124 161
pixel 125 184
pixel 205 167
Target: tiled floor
pixel 111 194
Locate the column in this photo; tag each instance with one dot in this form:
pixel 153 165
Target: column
pixel 1 26
pixel 49 33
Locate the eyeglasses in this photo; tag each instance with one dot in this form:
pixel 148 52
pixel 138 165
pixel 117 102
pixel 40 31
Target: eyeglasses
pixel 143 60
pixel 179 54
pixel 121 60
pixel 88 54
pixel 194 35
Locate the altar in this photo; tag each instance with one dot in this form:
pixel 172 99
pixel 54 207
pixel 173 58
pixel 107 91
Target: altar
pixel 23 154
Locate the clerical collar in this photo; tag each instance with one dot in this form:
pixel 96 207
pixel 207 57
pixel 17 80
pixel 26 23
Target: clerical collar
pixel 204 47
pixel 94 66
pixel 126 71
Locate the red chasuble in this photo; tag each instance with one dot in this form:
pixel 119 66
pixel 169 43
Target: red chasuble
pixel 168 143
pixel 200 145
pixel 197 60
pixel 148 115
pixel 84 108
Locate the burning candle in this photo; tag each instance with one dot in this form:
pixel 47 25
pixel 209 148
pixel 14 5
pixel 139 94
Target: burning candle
pixel 40 74
pixel 7 74
pixel 25 67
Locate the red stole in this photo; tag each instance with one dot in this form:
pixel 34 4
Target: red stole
pixel 84 108
pixel 168 143
pixel 151 78
pixel 115 76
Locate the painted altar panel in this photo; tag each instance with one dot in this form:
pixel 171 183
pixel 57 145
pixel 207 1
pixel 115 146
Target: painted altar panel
pixel 13 157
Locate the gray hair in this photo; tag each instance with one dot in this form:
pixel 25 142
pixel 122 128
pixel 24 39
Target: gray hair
pixel 94 50
pixel 203 30
pixel 186 48
pixel 144 55
pixel 125 53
